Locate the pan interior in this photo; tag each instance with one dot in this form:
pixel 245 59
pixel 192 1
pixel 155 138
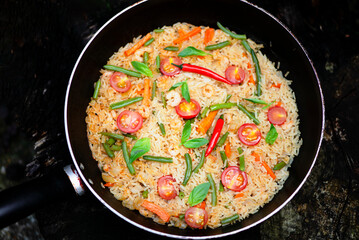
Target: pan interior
pixel 241 17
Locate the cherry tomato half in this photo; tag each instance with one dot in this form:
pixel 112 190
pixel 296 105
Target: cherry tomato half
pixel 277 115
pixel 249 134
pixel 166 188
pixel 129 121
pixel 196 217
pixel 120 82
pixel 188 110
pixel 234 179
pixel 167 68
pixel 235 74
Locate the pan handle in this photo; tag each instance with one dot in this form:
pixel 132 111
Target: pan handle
pixel 22 200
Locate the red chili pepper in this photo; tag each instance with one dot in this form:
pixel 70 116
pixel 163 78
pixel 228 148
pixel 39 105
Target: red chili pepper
pixel 203 71
pixel 215 135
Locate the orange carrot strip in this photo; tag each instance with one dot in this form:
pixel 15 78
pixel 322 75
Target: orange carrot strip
pixel 187 35
pixel 201 205
pixel 251 79
pixel 279 103
pixel 139 44
pixel 162 213
pixel 239 195
pixel 227 150
pixel 268 169
pixel 276 85
pixel 109 184
pixel 146 92
pixel 208 35
pixel 181 32
pixel 256 156
pixel 206 122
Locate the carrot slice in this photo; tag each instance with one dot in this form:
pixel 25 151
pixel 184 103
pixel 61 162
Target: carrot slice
pixel 206 122
pixel 181 32
pixel 139 44
pixel 268 169
pixel 279 103
pixel 201 205
pixel 208 35
pixel 256 156
pixel 159 211
pixel 276 85
pixel 195 31
pixel 146 92
pixel 239 195
pixel 109 184
pixel 227 150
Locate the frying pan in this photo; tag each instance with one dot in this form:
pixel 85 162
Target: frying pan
pixel 242 17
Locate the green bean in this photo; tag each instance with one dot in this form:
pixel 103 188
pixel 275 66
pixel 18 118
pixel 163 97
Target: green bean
pixel 108 150
pixel 224 158
pixel 188 172
pixel 181 216
pixel 127 158
pixel 181 195
pixel 113 135
pixel 228 97
pixel 221 188
pixel 145 57
pixel 158 159
pixel 268 105
pixel 145 194
pixel 204 112
pixel 158 62
pixel 171 48
pixel 154 88
pixel 222 140
pixel 218 45
pixel 279 165
pixel 230 219
pixel 125 102
pixel 123 70
pixel 110 142
pixel 242 165
pixel 233 35
pixel 250 115
pixel 201 162
pixel 240 150
pixel 97 89
pixel 115 147
pixel 130 136
pixel 221 106
pixel 149 41
pixel 158 30
pixel 214 190
pixel 162 128
pixel 163 100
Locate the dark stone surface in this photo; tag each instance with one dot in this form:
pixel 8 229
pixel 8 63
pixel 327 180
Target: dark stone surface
pixel 39 44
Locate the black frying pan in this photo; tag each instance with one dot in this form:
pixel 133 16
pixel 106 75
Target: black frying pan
pixel 241 17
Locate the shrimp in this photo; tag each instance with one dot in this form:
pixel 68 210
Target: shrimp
pixel 173 98
pixel 208 91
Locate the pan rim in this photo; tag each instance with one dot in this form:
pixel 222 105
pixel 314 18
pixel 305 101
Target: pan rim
pixel 89 186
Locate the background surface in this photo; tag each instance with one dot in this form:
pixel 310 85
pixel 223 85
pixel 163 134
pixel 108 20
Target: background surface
pixel 39 44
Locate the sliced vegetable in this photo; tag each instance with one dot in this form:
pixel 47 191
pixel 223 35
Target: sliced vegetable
pixel 268 105
pixel 139 44
pixel 110 141
pixel 234 179
pixel 268 169
pixel 195 143
pixel 220 187
pixel 113 135
pixel 208 36
pixel 230 219
pixel 249 134
pixel 154 88
pixel 239 195
pixel 130 136
pixel 196 217
pixel 228 97
pixel 224 158
pixel 200 164
pixel 217 45
pixel 116 147
pixel 185 92
pixel 186 132
pixel 279 165
pixel 235 75
pixel 158 159
pixel 215 135
pixel 167 67
pixel 271 135
pixel 146 93
pixel 186 36
pixel 249 114
pixel 192 51
pixel 159 211
pixel 227 150
pixel 145 194
pixel 120 82
pixel 171 48
pixel 146 58
pixel 158 62
pixel 162 128
pixel 164 102
pixel 142 68
pixel 204 112
pixel 277 115
pixel 222 140
pixel 256 100
pixel 108 151
pixel 125 103
pixel 242 165
pixel 181 196
pixel 198 194
pixel 141 147
pixel 129 165
pixel 97 89
pixel 159 30
pixel 129 121
pixel 188 172
pixel 123 70
pixel 232 34
pixel 149 42
pixel 219 106
pixel 166 187
pixel 188 110
pixel 214 190
pixel 206 122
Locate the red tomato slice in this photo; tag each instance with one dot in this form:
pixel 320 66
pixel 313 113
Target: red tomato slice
pixel 196 217
pixel 234 179
pixel 235 74
pixel 120 82
pixel 167 68
pixel 277 115
pixel 249 134
pixel 166 188
pixel 188 110
pixel 129 121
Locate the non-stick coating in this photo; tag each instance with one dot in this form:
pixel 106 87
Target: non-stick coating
pixel 238 16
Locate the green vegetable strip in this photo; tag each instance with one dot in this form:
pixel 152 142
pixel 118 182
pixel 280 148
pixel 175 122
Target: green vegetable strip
pixel 204 112
pixel 158 30
pixel 110 142
pixel 224 158
pixel 221 106
pixel 279 165
pixel 268 105
pixel 217 46
pixel 154 88
pixel 108 150
pixel 171 48
pixel 214 190
pixel 146 57
pixel 123 70
pixel 188 169
pixel 255 100
pixel 250 115
pixel 97 89
pixel 221 188
pixel 162 128
pixel 116 148
pixel 158 62
pixel 163 100
pixel 240 150
pixel 181 216
pixel 145 194
pixel 127 158
pixel 242 164
pixel 130 136
pixel 158 159
pixel 228 97
pixel 230 219
pixel 113 135
pixel 149 41
pixel 125 102
pixel 233 35
pixel 201 162
pixel 222 140
pixel 181 195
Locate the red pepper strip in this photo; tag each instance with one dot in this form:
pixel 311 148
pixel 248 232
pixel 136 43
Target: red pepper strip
pixel 203 71
pixel 215 135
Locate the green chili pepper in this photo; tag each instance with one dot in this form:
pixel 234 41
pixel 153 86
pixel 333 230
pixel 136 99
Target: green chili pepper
pixel 214 190
pixel 222 140
pixel 113 135
pixel 125 102
pixel 97 89
pixel 158 159
pixel 149 41
pixel 108 150
pixel 230 219
pixel 201 162
pixel 162 128
pixel 279 165
pixel 217 46
pixel 171 48
pixel 123 70
pixel 163 100
pixel 188 172
pixel 127 158
pixel 233 35
pixel 224 158
pixel 221 106
pixel 250 115
pixel 154 88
